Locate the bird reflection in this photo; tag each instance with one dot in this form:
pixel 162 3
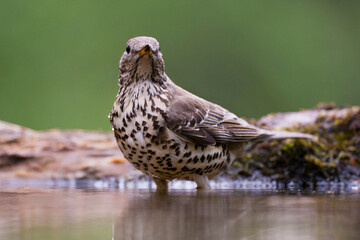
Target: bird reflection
pixel 195 215
pixel 237 215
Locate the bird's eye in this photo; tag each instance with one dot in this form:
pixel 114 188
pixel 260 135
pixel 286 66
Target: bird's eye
pixel 128 49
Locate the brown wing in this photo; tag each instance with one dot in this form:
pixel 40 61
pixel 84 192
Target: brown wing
pixel 195 119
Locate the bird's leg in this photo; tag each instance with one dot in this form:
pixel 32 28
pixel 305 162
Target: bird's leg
pixel 161 184
pixel 202 182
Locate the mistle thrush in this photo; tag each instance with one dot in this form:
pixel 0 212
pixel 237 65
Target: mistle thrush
pixel 169 133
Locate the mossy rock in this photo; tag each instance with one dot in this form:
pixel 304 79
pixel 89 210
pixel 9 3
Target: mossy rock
pixel 336 157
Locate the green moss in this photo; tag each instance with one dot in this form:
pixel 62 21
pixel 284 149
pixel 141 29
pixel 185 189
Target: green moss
pixel 335 158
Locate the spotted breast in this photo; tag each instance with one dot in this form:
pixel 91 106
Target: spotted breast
pixel 139 121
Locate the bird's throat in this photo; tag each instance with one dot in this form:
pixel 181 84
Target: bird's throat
pixel 144 68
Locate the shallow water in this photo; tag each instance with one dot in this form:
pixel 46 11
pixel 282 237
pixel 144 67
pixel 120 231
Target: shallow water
pixel 33 212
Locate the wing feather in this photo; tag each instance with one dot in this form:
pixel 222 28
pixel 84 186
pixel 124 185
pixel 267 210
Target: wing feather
pixel 203 122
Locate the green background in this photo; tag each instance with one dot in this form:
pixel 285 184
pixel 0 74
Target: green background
pixel 59 59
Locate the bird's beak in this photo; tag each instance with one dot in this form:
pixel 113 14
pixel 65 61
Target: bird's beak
pixel 145 50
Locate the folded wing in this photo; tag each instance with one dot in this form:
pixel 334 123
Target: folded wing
pixel 203 122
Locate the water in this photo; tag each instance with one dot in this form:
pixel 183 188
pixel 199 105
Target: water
pixel 87 211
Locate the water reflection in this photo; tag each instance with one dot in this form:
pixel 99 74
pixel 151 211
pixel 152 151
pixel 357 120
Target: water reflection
pixel 197 215
pixel 239 215
pixel 144 214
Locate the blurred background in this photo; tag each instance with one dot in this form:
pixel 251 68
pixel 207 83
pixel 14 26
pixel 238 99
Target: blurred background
pixel 59 59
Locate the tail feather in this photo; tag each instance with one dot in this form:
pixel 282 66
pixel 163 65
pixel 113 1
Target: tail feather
pixel 276 135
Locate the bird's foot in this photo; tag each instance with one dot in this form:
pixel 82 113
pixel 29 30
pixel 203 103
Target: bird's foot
pixel 202 182
pixel 161 184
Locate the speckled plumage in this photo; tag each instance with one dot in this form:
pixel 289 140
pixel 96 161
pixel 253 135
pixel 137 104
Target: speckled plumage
pixel 169 133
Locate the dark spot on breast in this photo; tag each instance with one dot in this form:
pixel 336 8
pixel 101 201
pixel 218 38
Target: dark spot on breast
pixel 115 114
pixel 151 152
pixel 125 137
pixel 185 169
pixel 156 124
pixel 209 158
pixel 172 169
pixel 124 122
pixel 173 146
pixel 137 125
pixel 187 154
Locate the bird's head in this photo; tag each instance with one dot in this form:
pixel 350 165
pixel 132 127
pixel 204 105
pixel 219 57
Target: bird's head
pixel 141 60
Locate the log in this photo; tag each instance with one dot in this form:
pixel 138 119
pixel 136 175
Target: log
pixel 59 154
pixel 79 154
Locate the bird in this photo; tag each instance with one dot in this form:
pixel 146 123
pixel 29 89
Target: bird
pixel 169 133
